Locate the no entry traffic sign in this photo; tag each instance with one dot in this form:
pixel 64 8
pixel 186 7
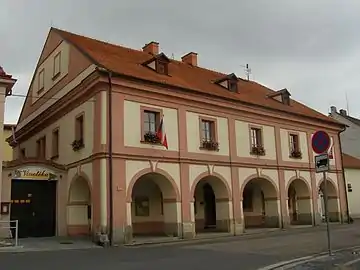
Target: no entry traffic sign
pixel 320 142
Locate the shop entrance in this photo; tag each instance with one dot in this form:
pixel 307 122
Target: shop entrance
pixel 33 204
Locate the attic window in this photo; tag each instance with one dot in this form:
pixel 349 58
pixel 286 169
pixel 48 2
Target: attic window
pixel 285 99
pixel 232 86
pixel 282 96
pixel 161 67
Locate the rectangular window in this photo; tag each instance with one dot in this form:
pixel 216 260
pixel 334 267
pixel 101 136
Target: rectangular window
pixel 79 128
pixel 256 137
pixel 142 206
pixel 41 80
pixel 207 130
pixel 41 147
pixel 161 67
pixel 55 143
pixel 151 121
pixel 294 143
pixel 57 65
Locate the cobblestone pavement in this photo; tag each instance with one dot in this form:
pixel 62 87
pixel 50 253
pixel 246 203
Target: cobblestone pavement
pixel 235 253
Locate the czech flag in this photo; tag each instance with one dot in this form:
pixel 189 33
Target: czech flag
pixel 161 134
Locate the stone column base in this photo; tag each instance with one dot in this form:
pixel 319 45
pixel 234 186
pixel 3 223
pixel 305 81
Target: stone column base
pixel 236 228
pixel 122 235
pixel 188 230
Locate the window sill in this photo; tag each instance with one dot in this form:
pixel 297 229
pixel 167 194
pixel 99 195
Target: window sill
pixel 152 143
pixel 292 157
pixel 257 154
pixel 207 149
pixel 57 75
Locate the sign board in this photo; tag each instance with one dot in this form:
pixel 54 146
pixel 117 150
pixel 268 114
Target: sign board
pixel 322 163
pixel 320 142
pixel 34 173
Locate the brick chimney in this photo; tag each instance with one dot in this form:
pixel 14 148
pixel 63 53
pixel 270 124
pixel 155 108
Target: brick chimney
pixel 333 109
pixel 151 48
pixel 343 112
pixel 190 58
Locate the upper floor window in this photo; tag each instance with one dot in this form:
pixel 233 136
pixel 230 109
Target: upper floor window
pixel 233 86
pixel 151 121
pixel 161 67
pixel 78 143
pixel 208 134
pixel 150 124
pixel 41 147
pixel 294 145
pixel 57 65
pixel 55 143
pixel 207 130
pixel 256 140
pixel 41 80
pixel 256 136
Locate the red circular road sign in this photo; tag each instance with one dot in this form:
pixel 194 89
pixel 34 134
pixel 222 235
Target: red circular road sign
pixel 320 142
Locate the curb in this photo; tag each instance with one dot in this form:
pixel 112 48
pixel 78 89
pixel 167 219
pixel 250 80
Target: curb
pixel 227 237
pixel 291 263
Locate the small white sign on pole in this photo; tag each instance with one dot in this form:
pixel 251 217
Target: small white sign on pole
pixel 322 163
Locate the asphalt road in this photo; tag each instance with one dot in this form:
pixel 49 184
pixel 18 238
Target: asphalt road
pixel 234 253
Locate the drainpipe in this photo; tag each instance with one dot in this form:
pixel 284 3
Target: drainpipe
pixel 111 218
pixel 343 173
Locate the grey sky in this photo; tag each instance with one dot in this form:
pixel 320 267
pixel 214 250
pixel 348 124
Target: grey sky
pixel 310 47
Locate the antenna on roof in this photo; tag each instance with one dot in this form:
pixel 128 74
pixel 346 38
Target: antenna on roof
pixel 347 103
pixel 172 56
pixel 247 71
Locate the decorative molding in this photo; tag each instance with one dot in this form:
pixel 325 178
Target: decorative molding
pixel 259 172
pixel 210 169
pixel 153 165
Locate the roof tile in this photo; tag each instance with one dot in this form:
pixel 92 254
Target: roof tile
pixel 129 62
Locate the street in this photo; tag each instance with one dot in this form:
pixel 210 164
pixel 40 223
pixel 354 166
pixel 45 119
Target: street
pixel 247 253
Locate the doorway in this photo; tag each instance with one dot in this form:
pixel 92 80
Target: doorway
pixel 33 204
pixel 209 207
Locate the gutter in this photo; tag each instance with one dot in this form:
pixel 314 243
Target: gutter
pixel 343 173
pixel 110 153
pixel 110 160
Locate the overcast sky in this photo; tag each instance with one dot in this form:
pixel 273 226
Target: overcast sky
pixel 310 47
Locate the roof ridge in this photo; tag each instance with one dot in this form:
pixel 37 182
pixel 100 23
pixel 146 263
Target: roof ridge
pixel 137 50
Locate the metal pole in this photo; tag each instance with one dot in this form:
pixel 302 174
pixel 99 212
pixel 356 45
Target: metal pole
pixel 16 232
pixel 327 213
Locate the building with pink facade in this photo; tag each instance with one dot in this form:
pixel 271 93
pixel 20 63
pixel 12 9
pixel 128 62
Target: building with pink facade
pixel 91 158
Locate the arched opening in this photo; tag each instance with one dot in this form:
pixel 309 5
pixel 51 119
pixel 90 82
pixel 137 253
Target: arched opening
pixel 333 207
pixel 260 204
pixel 79 212
pixel 211 205
pixel 154 206
pixel 299 203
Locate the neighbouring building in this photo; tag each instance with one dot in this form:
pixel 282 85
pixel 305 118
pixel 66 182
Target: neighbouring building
pixel 352 177
pixel 7 149
pixel 350 138
pixel 127 142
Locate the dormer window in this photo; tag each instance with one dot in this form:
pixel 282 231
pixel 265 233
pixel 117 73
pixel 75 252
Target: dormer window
pixel 229 82
pixel 282 96
pixel 232 86
pixel 161 67
pixel 158 63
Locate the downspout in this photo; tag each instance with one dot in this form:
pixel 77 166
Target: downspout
pixel 111 218
pixel 343 173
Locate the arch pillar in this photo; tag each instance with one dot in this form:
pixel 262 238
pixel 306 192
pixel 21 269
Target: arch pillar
pixel 212 205
pixel 153 205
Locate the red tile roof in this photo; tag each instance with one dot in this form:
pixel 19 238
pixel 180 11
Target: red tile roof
pixel 126 61
pixel 351 162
